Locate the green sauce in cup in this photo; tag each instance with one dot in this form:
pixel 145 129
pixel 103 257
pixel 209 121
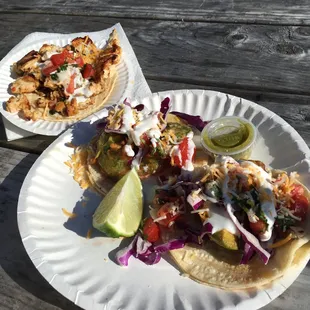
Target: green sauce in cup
pixel 230 135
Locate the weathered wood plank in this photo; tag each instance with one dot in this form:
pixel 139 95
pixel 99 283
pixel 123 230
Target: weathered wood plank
pixel 243 11
pixel 252 57
pixel 21 285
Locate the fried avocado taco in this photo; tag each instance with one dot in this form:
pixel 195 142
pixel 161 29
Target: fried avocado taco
pixel 151 141
pixel 239 226
pixel 248 221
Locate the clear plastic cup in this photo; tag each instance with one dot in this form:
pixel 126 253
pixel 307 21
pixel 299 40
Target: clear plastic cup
pixel 229 135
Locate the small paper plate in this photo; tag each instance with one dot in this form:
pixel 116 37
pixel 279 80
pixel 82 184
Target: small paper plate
pixel 50 128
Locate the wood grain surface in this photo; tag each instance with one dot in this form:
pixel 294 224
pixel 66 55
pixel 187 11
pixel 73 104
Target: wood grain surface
pixel 294 12
pixel 258 50
pixel 251 57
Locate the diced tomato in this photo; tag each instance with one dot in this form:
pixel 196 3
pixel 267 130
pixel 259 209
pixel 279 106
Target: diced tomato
pixel 258 227
pixel 79 61
pixel 297 190
pixel 48 70
pixel 58 59
pixel 300 206
pixel 151 230
pixel 70 88
pixel 183 147
pixel 68 54
pixel 180 161
pixel 165 211
pixel 88 71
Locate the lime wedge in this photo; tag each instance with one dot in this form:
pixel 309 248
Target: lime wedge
pixel 119 213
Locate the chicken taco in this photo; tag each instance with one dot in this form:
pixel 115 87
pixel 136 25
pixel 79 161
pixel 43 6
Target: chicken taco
pixel 60 83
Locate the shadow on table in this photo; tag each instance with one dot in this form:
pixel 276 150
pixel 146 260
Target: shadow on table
pixel 84 209
pixel 13 257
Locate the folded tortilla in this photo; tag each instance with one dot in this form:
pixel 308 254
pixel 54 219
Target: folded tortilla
pixel 216 266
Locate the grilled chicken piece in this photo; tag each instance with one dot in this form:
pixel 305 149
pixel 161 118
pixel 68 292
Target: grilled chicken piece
pixel 72 108
pixel 49 83
pixel 25 84
pixel 48 49
pixel 28 63
pixel 60 107
pixel 43 102
pixel 109 56
pixel 104 66
pixel 57 95
pixel 86 48
pixel 14 104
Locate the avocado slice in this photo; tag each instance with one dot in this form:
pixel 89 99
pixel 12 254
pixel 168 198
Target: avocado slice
pixel 225 239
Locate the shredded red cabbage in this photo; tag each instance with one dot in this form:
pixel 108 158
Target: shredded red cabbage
pixel 139 107
pixel 194 200
pixel 170 245
pixel 123 255
pixel 207 229
pixel 247 254
pixel 164 107
pixel 194 120
pixel 146 251
pixel 247 236
pixel 126 102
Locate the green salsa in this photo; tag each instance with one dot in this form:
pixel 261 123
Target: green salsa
pixel 230 138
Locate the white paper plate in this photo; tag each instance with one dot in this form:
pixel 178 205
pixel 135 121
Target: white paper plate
pixel 47 127
pixel 83 269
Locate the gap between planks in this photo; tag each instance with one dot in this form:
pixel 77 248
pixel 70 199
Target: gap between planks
pixel 164 18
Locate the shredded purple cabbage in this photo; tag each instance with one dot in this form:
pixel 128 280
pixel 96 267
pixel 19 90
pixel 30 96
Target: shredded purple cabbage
pixel 139 107
pixel 164 107
pixel 248 237
pixel 170 245
pixel 207 229
pixel 247 254
pixel 195 121
pixel 126 102
pixel 146 251
pixel 194 200
pixel 123 255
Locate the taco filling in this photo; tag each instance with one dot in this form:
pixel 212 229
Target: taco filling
pixel 238 226
pixel 150 141
pixel 70 82
pixel 228 223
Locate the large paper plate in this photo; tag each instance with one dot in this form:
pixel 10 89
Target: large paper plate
pixel 84 270
pixel 50 128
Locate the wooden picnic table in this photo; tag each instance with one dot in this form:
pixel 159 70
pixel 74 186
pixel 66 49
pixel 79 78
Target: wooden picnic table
pixel 258 50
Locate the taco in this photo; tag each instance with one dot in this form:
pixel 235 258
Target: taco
pixel 155 142
pixel 61 83
pixel 244 224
